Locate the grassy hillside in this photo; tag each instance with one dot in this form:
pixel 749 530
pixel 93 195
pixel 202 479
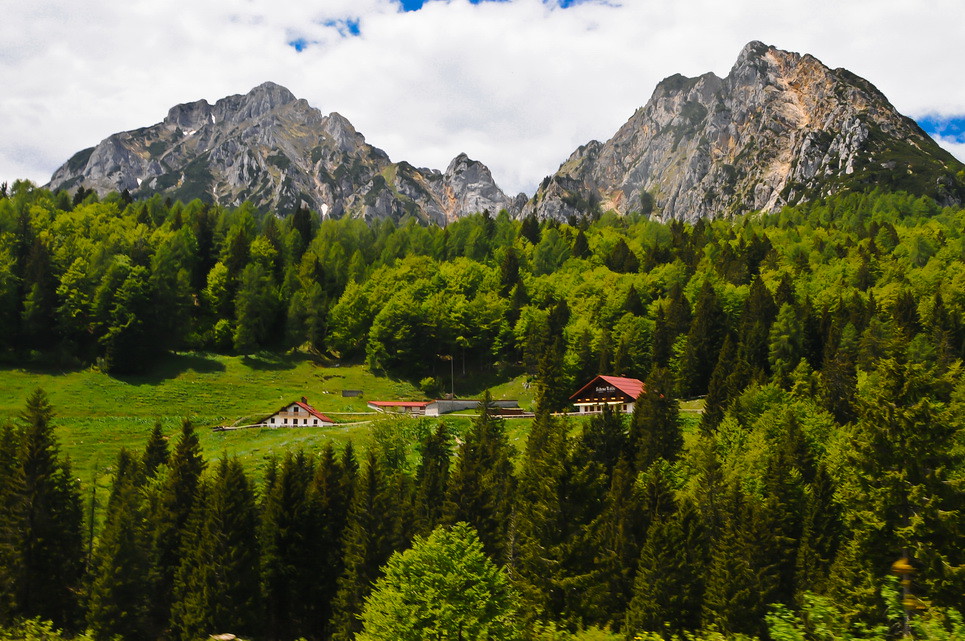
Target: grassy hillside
pixel 97 414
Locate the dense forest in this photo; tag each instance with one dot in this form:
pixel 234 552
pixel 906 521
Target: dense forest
pixel 826 339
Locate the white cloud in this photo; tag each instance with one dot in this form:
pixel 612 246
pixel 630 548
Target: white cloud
pixel 518 85
pixel 955 146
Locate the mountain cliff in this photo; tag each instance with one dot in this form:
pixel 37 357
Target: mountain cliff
pixel 278 152
pixel 779 129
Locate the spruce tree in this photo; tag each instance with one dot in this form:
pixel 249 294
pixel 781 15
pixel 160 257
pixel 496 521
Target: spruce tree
pixel 48 518
pixel 581 248
pixel 9 491
pixel 704 340
pixel 368 544
pixel 156 451
pixel 753 332
pixel 481 486
pixel 781 519
pixel 820 535
pixel 431 479
pixel 169 518
pixel 903 498
pixel 118 603
pixel 586 478
pixel 217 586
pixel 618 535
pixel 668 588
pixel 537 525
pixel 655 429
pixel 288 532
pixel 738 585
pixel 719 393
pixel 670 324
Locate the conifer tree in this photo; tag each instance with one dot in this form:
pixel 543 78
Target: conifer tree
pixel 156 451
pixel 618 535
pixel 169 518
pixel 709 486
pixel 369 542
pixel 602 441
pixel 704 340
pixel 350 473
pixel 781 517
pixel 669 325
pixel 481 486
pixel 586 478
pixel 537 524
pixel 633 304
pixel 581 248
pixel 753 333
pixel 9 491
pixel 131 341
pixel 719 393
pixel 820 535
pixel 786 343
pixel 330 496
pixel 903 498
pixel 288 548
pixel 119 592
pixel 668 588
pixel 431 479
pixel 217 587
pixel 655 429
pixel 738 586
pixel 48 517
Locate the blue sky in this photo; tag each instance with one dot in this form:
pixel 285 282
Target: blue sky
pixel 517 84
pixel 952 128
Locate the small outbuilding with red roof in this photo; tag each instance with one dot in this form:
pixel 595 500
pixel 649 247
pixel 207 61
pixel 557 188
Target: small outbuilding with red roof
pixel 616 391
pixel 297 414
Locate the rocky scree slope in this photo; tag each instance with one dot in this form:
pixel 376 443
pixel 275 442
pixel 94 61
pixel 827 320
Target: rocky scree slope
pixel 779 129
pixel 278 152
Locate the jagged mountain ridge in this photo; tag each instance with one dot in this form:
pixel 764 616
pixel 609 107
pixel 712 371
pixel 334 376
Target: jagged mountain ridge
pixel 278 152
pixel 780 128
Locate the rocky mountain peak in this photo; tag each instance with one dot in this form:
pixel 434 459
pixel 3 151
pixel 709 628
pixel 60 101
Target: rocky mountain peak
pixel 780 128
pixel 270 148
pixel 342 132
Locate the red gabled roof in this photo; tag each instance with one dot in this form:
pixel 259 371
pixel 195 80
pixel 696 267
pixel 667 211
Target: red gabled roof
pixel 314 412
pixel 632 387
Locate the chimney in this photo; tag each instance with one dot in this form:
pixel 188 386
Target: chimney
pixel 304 400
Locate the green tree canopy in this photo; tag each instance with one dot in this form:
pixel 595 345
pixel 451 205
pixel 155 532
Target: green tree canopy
pixel 444 587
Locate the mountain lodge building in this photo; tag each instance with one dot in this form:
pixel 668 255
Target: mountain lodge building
pixel 297 414
pixel 617 392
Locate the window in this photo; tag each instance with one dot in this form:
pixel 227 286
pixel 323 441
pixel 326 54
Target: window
pixel 295 409
pixel 285 421
pixel 314 421
pixel 272 420
pixel 304 421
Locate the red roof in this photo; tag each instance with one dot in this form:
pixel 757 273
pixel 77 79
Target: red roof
pixel 632 387
pixel 305 406
pixel 314 412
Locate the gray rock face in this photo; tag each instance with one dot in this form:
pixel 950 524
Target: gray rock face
pixel 278 152
pixel 779 129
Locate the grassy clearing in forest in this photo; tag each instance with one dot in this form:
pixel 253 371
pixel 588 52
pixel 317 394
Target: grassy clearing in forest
pixel 97 414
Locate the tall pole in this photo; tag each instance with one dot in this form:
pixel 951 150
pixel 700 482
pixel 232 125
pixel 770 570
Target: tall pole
pixel 903 568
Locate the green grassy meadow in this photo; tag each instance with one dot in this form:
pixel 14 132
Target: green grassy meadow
pixel 97 414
